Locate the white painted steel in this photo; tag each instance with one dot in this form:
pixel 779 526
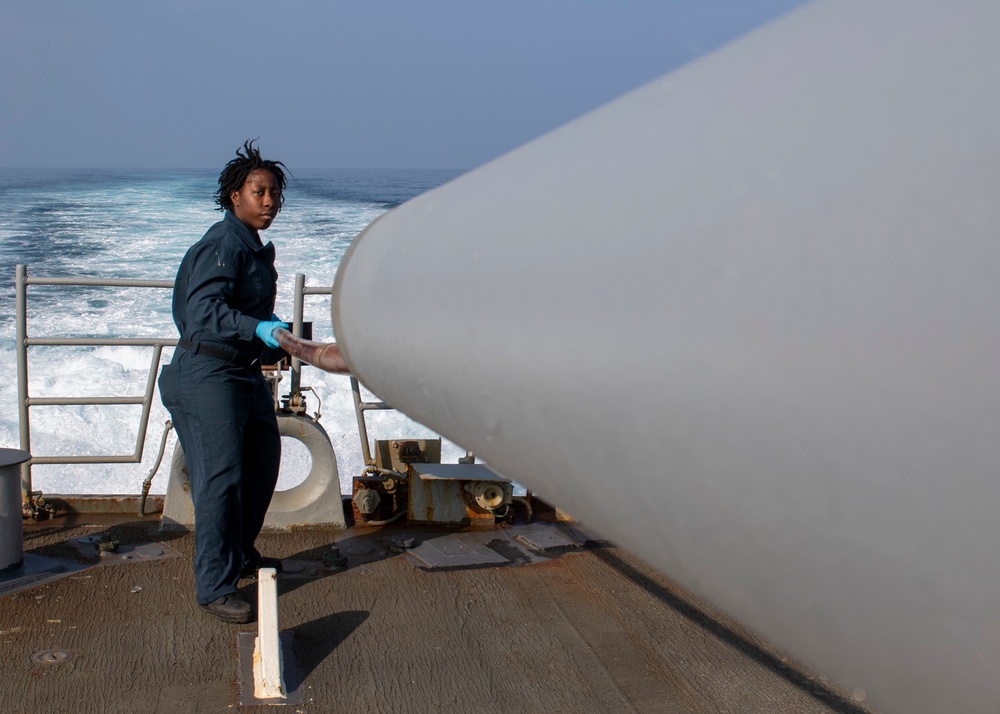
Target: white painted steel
pixel 745 322
pixel 313 502
pixel 317 499
pixel 267 668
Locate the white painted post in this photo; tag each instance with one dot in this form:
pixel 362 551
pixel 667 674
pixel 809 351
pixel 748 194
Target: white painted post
pixel 267 679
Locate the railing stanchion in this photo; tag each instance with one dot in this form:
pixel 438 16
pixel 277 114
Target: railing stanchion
pixel 21 291
pixel 296 364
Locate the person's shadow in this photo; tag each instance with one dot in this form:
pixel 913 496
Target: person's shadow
pixel 356 550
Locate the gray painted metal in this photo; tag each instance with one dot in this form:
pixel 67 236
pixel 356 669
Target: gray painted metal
pixel 104 282
pixel 25 401
pixel 37 570
pixel 298 305
pixel 123 553
pixel 11 531
pixel 101 341
pixel 543 538
pixel 314 501
pixel 360 407
pixel 439 501
pixel 456 472
pixel 745 322
pixel 21 338
pixel 455 551
pixel 297 312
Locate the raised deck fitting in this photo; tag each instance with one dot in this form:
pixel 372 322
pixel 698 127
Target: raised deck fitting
pixel 37 570
pixel 11 533
pixel 267 681
pixel 456 493
pixel 455 551
pixel 314 502
pixel 408 479
pixel 267 660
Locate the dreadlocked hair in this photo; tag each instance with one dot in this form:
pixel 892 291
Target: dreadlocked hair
pixel 235 174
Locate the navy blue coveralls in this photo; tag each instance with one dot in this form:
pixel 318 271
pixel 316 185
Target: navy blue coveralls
pixel 219 401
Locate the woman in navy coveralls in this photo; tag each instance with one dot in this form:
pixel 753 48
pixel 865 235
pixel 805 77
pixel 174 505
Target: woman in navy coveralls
pixel 219 401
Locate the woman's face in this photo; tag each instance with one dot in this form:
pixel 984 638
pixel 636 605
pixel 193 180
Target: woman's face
pixel 258 201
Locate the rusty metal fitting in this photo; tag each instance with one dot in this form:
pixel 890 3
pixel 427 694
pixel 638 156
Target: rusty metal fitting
pixel 488 495
pixel 366 500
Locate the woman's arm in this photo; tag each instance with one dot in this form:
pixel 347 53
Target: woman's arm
pixel 325 355
pixel 214 271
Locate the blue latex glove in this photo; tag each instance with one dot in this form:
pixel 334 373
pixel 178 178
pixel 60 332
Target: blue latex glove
pixel 264 330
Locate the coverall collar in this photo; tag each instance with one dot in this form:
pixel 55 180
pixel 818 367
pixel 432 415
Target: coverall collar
pixel 246 235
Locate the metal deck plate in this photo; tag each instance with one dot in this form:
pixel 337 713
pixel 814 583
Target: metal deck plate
pixel 37 570
pixel 543 538
pixel 292 568
pixel 126 552
pixel 454 551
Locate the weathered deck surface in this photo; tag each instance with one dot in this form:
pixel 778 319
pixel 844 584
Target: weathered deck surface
pixel 590 631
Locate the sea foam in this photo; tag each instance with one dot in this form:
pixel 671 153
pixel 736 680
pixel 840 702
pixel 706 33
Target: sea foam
pixel 115 224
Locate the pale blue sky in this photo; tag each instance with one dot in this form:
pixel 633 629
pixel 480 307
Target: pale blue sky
pixel 373 83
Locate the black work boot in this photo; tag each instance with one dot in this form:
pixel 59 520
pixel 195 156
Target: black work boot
pixel 231 608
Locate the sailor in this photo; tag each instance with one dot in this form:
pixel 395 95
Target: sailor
pixel 219 401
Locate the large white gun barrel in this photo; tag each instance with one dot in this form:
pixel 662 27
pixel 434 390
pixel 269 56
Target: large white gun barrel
pixel 744 321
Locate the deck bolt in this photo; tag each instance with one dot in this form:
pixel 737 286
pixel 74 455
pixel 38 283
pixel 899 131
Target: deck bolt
pixel 52 656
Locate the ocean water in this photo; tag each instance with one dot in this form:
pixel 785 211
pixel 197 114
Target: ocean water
pixel 138 224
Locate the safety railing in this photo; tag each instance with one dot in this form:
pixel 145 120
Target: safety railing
pixel 301 290
pixel 25 401
pixel 360 405
pixel 23 341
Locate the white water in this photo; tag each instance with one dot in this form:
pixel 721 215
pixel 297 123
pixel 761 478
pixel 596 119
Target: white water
pixel 140 227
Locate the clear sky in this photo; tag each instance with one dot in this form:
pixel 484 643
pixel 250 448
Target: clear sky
pixel 329 83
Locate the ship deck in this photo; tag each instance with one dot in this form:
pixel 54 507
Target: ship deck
pixel 587 629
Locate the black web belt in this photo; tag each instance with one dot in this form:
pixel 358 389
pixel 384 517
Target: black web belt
pixel 226 354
